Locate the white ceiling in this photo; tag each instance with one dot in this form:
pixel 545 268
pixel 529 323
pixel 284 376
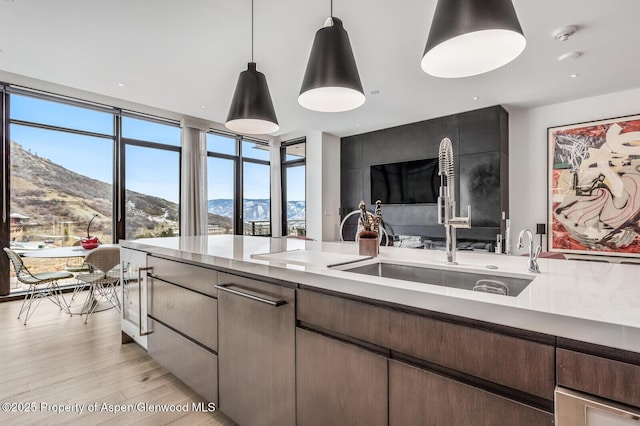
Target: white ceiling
pixel 182 55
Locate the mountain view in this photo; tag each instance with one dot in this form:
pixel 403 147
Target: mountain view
pixel 255 209
pixel 51 203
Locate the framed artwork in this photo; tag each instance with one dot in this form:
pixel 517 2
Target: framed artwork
pixel 594 187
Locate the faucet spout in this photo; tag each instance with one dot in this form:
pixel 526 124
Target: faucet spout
pixel 532 264
pixel 446 200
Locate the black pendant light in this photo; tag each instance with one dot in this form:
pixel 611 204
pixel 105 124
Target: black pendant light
pixel 331 82
pixel 470 37
pixel 251 109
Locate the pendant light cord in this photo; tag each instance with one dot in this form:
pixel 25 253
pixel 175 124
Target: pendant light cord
pixel 252 30
pixel 331 9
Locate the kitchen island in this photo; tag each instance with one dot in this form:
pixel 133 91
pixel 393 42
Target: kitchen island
pixel 401 337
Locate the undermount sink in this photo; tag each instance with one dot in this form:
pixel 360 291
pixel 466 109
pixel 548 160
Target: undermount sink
pixel 473 281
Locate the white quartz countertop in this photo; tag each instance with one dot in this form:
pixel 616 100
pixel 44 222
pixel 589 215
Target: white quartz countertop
pixel 588 301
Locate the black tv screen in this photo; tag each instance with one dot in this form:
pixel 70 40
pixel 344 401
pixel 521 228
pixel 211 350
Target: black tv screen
pixel 409 182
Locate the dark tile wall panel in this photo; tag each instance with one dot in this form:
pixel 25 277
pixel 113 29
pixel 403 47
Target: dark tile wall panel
pixel 480 188
pixel 350 190
pixel 351 152
pixel 480 130
pixel 478 137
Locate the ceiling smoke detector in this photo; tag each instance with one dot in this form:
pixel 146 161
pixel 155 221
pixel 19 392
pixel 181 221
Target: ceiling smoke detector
pixel 564 33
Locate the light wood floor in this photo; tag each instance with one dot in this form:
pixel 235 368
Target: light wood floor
pixel 57 359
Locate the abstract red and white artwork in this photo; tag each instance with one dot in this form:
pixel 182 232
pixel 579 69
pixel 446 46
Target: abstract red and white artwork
pixel 594 187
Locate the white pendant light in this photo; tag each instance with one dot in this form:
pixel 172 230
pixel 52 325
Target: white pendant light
pixel 470 37
pixel 251 109
pixel 331 81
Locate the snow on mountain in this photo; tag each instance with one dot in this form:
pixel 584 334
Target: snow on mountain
pixel 255 209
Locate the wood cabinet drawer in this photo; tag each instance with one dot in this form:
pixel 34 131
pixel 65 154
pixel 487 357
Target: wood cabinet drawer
pixel 191 313
pixel 419 397
pixel 615 380
pixel 186 275
pixel 338 383
pixel 192 364
pixel 517 363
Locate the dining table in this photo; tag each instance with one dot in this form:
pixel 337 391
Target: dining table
pixel 70 252
pixel 59 252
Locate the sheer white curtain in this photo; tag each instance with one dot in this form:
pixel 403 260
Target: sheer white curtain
pixel 193 197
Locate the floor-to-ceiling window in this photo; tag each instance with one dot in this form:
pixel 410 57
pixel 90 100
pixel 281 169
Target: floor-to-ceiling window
pixel 64 163
pixel 293 158
pixel 4 190
pixel 152 177
pixel 239 185
pixel 61 173
pixel 256 188
pixel 222 164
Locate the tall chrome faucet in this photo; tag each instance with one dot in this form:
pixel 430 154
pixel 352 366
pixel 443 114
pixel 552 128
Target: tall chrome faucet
pixel 447 200
pixel 532 265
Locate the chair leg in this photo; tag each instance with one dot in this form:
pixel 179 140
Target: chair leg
pixel 76 291
pixel 57 297
pixel 91 302
pixel 27 304
pixel 101 292
pixel 110 293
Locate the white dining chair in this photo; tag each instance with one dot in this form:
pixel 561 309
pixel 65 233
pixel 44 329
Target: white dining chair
pixel 41 284
pixel 101 278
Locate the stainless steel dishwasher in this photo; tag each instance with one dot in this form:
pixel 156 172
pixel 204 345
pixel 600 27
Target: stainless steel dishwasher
pixel 256 351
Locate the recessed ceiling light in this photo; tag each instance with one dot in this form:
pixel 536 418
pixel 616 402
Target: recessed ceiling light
pixel 120 84
pixel 357 125
pixel 475 98
pixel 574 76
pixel 570 55
pixel 203 106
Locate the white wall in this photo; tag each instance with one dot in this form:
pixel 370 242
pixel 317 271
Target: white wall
pixel 322 183
pixel 330 187
pixel 314 184
pixel 276 187
pixel 528 150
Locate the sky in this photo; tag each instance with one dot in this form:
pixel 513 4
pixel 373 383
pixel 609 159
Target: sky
pixel 149 171
pixel 220 172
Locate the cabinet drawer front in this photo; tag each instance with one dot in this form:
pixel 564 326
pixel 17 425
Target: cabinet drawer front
pixel 338 383
pixel 615 380
pixel 517 363
pixel 192 364
pixel 189 312
pixel 185 275
pixel 419 397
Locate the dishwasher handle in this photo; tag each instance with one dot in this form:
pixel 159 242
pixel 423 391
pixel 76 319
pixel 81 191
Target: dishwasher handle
pixel 262 299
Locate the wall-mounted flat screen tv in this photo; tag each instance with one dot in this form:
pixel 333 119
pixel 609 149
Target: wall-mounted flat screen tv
pixel 408 182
